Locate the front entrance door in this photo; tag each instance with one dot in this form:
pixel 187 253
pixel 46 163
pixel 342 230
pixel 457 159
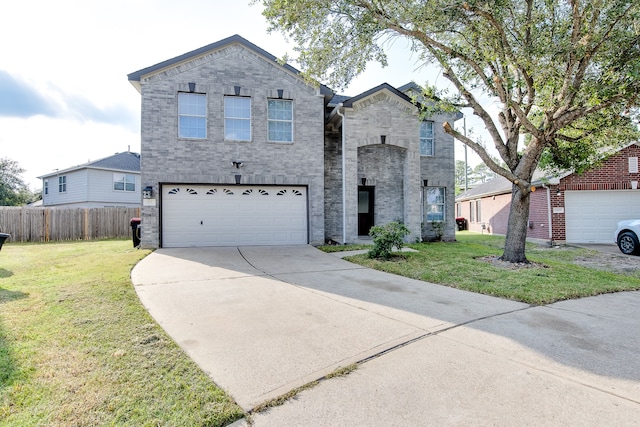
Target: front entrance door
pixel 365 209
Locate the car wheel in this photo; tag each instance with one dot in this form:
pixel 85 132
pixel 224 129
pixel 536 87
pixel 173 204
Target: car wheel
pixel 628 243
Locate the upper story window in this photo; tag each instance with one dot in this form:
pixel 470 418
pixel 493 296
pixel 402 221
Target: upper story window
pixel 237 118
pixel 62 184
pixel 435 203
pixel 192 115
pixel 426 139
pixel 280 120
pixel 46 187
pixel 124 182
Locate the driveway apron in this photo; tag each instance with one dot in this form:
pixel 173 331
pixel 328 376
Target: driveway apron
pixel 262 321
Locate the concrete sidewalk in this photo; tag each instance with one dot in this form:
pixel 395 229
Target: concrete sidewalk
pixel 262 321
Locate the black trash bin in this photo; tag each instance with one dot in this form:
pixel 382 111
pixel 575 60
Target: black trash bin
pixel 3 237
pixel 462 223
pixel 135 231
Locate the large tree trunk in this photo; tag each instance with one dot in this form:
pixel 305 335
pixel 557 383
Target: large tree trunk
pixel 514 246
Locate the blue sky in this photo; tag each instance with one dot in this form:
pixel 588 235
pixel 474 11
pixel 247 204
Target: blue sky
pixel 64 94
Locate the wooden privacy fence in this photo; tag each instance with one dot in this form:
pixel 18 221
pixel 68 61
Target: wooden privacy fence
pixel 57 224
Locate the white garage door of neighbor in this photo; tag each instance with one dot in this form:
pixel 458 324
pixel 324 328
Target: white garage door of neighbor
pixel 233 215
pixel 592 216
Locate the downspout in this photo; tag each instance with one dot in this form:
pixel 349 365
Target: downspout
pixel 344 177
pixel 549 213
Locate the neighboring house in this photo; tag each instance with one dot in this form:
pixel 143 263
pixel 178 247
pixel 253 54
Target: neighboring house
pixel 110 182
pixel 238 149
pixel 572 208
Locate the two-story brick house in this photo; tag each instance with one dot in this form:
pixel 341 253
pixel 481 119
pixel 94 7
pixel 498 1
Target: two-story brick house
pixel 238 149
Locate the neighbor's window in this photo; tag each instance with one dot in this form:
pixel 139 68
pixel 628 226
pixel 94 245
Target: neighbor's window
pixel 46 187
pixel 478 216
pixel 434 203
pixel 192 115
pixel 280 120
pixel 426 138
pixel 237 118
pixel 62 184
pixel 471 216
pixel 124 182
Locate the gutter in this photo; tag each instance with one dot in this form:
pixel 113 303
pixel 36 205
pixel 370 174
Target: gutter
pixel 549 213
pixel 344 176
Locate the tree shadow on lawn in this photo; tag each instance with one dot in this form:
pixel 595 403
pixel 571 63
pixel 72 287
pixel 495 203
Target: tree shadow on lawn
pixel 7 361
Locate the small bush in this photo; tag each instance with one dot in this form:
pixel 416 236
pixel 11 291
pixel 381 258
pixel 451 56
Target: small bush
pixel 385 238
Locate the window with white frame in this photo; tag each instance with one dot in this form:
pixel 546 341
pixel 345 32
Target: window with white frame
pixel 280 120
pixel 237 118
pixel 62 184
pixel 426 138
pixel 435 203
pixel 471 216
pixel 124 182
pixel 192 115
pixel 478 213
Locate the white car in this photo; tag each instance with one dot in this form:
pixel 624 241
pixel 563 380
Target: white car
pixel 626 236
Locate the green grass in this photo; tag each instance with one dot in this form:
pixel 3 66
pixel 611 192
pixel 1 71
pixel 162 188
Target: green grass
pixel 343 248
pixel 554 275
pixel 77 347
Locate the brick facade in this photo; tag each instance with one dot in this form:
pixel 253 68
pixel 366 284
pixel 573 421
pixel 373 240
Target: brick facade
pixel 613 174
pixel 395 168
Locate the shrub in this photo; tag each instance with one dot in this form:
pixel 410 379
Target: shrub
pixel 385 238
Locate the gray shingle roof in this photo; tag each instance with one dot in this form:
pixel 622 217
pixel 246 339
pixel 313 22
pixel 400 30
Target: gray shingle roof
pixel 126 161
pixel 502 185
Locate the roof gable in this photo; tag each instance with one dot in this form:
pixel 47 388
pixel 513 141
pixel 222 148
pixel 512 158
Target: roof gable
pixel 384 86
pixel 136 76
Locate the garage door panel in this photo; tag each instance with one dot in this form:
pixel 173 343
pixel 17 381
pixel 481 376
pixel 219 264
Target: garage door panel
pixel 212 215
pixel 591 216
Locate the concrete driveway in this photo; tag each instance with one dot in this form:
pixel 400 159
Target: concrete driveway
pixel 262 321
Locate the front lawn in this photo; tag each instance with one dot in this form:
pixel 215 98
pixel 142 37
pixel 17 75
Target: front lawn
pixel 469 263
pixel 78 349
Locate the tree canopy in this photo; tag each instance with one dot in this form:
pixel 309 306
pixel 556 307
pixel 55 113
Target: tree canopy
pixel 564 74
pixel 13 190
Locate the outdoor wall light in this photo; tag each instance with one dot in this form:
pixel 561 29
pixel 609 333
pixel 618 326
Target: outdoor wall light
pixel 238 178
pixel 236 90
pixel 383 139
pixel 280 93
pixel 237 165
pixel 364 181
pixel 192 87
pixel 558 193
pixel 425 182
pixel 147 192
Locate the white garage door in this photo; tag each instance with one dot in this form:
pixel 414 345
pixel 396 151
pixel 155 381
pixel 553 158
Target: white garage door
pixel 233 215
pixel 591 216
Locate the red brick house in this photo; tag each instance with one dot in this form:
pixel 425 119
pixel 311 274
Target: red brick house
pixel 572 208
